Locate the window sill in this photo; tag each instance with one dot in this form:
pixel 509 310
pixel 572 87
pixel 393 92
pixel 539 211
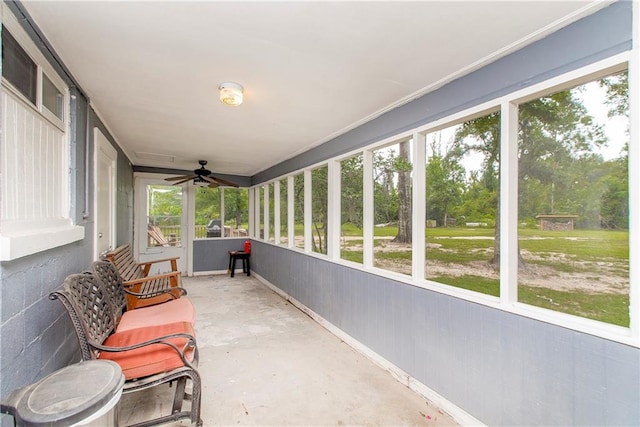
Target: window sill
pixel 21 239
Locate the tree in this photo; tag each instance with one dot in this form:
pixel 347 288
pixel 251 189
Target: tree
pixel 207 205
pixel 236 203
pixel 319 209
pixel 403 167
pixel 351 189
pixel 482 135
pixel 164 204
pixel 445 183
pixel 385 194
pixel 554 131
pixel 617 87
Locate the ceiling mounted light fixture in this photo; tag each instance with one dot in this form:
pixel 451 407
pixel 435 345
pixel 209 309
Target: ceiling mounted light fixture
pixel 231 93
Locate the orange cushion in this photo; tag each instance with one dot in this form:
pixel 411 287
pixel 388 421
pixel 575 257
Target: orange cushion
pixel 151 359
pixel 178 310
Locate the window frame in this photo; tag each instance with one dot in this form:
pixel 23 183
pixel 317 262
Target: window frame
pixel 507 105
pixel 21 236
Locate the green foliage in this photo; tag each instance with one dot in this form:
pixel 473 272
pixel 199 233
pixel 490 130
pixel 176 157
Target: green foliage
pixel 207 205
pixel 164 204
pixel 284 210
pixel 472 283
pixel 617 87
pixel 236 206
pixel 445 185
pixel 351 188
pixel 354 256
pixel 319 209
pixel 609 308
pixel 587 245
pixel 605 307
pixel 559 170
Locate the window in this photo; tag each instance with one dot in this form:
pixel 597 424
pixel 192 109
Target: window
pixel 260 195
pixel 208 220
pixel 236 212
pixel 392 207
pixel 284 213
pixel 18 68
pixel 164 215
pixel 34 138
pixel 319 218
pixel 298 210
pixel 272 213
pixel 52 98
pixel 461 190
pixel 351 233
pixel 526 199
pixel 573 182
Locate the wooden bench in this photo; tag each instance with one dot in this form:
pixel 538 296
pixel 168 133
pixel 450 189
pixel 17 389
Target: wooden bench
pixel 149 356
pixel 136 277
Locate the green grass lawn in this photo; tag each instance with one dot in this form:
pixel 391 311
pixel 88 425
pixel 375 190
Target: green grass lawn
pixel 578 252
pixel 605 307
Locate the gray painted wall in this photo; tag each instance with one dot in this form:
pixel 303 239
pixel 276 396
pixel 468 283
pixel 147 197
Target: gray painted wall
pixel 213 254
pixel 504 369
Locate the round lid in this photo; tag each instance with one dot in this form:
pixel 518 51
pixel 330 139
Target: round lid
pixel 71 394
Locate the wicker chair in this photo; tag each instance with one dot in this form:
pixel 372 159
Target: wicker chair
pixel 137 280
pixel 148 356
pixel 175 310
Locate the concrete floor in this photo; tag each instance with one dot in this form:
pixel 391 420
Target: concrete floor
pixel 264 362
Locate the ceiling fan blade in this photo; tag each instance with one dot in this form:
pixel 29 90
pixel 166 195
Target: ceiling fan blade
pixel 185 179
pixel 208 179
pixel 178 178
pixel 225 182
pixel 213 185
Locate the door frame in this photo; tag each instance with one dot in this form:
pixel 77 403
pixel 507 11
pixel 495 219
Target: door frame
pixel 102 146
pixel 141 180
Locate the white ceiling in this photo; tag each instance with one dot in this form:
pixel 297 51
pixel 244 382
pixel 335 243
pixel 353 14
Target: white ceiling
pixel 311 70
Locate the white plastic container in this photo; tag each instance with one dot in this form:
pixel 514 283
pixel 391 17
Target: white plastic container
pixel 84 394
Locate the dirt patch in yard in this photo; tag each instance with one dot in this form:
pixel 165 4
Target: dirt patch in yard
pixel 593 277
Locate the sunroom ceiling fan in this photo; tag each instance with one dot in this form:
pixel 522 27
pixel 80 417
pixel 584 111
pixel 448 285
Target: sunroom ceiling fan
pixel 202 177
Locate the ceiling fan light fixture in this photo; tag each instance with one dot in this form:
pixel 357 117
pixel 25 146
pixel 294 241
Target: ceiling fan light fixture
pixel 200 182
pixel 231 93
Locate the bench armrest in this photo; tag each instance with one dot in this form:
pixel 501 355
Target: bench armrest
pixel 146 266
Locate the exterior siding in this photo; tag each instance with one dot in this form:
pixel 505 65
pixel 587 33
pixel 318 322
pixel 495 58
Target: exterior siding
pixel 502 368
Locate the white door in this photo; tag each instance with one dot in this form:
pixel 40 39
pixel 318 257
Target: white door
pixel 161 227
pixel 105 161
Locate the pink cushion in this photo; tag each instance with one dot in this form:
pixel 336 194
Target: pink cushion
pixel 178 310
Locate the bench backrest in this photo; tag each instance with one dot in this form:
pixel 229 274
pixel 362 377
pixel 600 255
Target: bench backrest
pixel 157 235
pixel 91 313
pixel 122 258
pixel 112 281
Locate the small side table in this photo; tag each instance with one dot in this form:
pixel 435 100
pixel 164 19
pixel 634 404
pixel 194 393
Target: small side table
pixel 244 256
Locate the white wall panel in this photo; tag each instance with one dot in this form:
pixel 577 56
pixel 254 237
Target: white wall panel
pixel 35 164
